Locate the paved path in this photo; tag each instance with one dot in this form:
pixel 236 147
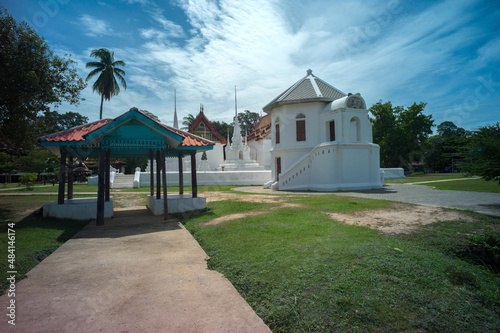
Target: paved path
pixel 137 273
pixel 480 202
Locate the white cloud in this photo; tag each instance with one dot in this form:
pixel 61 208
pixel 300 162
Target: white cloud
pixel 94 27
pixel 383 49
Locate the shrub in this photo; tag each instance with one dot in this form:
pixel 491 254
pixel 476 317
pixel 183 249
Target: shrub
pixel 485 248
pixel 28 180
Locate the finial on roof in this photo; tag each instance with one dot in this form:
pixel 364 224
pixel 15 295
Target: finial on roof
pixel 176 122
pixel 309 71
pixel 201 108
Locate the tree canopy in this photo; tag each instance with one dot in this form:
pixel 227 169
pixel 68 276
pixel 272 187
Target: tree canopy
pixel 444 151
pixel 484 152
pixel 53 121
pixel 247 121
pixel 32 80
pixel 106 84
pixel 187 121
pixel 399 131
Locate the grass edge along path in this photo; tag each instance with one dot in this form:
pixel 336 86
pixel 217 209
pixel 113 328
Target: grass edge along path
pixel 302 272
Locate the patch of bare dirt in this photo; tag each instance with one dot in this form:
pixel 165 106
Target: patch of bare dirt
pixel 238 216
pixel 219 196
pixel 401 218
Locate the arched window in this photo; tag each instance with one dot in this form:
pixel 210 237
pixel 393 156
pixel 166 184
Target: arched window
pixel 277 129
pixel 300 125
pixel 355 129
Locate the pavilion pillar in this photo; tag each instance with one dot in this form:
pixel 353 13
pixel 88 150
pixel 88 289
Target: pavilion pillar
pixel 164 183
pixel 194 183
pixel 70 176
pixel 62 178
pixel 181 175
pixel 158 175
pixel 151 172
pixel 100 188
pixel 107 173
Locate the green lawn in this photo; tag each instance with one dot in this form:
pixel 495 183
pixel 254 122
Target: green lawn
pixel 303 272
pixel 35 237
pixel 475 185
pixel 464 184
pixel 420 177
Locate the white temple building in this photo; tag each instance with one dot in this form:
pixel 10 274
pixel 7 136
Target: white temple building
pixel 321 140
pixel 238 153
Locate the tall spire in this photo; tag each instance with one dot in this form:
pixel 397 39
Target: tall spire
pixel 176 122
pixel 235 104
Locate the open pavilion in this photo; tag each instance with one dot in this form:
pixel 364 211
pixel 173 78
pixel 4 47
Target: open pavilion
pixel 133 134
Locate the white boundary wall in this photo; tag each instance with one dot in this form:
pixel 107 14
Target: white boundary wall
pixel 217 178
pixel 393 173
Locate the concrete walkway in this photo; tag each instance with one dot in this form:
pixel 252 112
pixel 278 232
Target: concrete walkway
pixel 479 202
pixel 137 273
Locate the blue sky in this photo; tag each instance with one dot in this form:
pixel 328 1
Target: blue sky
pixel 444 53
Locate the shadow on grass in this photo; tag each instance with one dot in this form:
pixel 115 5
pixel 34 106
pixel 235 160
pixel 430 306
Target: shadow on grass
pixel 35 239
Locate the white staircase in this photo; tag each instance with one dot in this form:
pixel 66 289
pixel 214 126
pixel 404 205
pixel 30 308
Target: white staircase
pixel 123 181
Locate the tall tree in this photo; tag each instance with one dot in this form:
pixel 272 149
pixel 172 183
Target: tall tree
pixel 107 68
pixel 399 131
pixel 247 121
pixel 222 128
pixel 484 152
pixel 53 121
pixel 32 79
pixel 187 121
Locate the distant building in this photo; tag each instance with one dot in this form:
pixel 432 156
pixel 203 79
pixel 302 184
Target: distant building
pixel 259 141
pixel 321 139
pixel 203 128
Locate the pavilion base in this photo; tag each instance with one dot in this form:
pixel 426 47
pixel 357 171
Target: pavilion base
pixel 77 209
pixel 177 203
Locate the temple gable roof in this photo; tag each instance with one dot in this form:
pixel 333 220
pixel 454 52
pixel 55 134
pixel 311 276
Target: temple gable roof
pixel 201 118
pixel 308 89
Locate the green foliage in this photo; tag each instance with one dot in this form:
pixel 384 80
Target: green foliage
pixel 222 128
pixel 31 79
pixel 247 121
pixel 445 152
pixel 134 162
pixel 485 248
pixel 188 120
pixel 151 115
pixel 28 180
pixel 106 84
pixel 37 160
pixel 484 152
pixel 7 164
pixel 53 121
pixel 399 131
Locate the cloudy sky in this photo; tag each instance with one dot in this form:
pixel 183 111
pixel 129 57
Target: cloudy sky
pixel 444 53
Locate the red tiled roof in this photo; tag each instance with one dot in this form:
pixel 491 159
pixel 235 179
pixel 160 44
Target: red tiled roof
pixel 77 134
pixel 261 130
pixel 201 117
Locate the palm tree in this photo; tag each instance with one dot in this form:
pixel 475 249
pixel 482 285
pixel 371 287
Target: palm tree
pixel 187 121
pixel 106 84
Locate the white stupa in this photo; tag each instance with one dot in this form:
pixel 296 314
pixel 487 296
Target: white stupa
pixel 238 153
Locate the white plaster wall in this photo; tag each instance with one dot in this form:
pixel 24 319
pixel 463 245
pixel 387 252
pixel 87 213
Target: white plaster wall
pixel 214 156
pixel 334 167
pixel 77 209
pixel 259 151
pixel 216 178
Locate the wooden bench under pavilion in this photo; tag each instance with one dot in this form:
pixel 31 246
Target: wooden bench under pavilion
pixel 133 134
